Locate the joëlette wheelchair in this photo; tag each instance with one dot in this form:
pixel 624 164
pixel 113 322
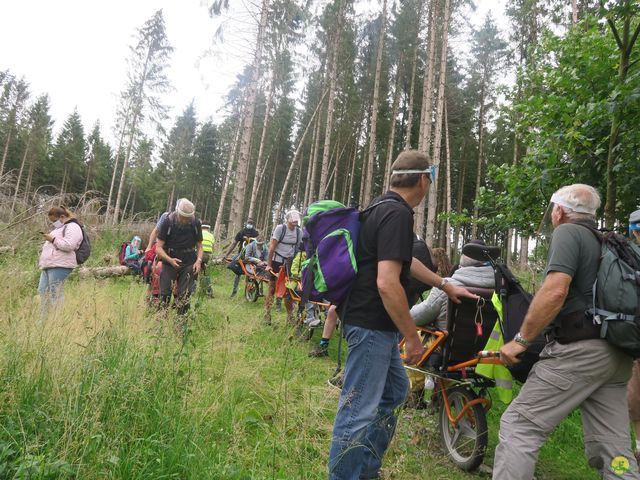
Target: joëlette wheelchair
pixel 452 355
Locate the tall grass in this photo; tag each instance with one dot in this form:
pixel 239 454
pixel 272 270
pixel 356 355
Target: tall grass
pixel 105 388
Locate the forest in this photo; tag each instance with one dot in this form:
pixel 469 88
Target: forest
pixel 334 92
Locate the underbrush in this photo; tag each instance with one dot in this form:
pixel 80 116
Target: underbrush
pixel 106 388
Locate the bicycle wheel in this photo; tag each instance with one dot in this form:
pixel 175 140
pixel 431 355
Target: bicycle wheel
pixel 465 443
pixel 251 290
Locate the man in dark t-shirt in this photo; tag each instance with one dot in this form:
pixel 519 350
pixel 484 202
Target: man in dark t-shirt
pixel 242 239
pixel 180 249
pixel 577 368
pixel 375 315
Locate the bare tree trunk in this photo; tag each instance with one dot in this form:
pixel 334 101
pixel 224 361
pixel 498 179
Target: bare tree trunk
pixel 296 154
pixel 414 63
pixel 225 183
pixel 463 165
pixel 19 179
pixel 574 12
pixel 265 124
pixel 437 141
pixel 242 171
pixel 353 171
pixel 324 172
pixel 474 227
pixel 116 160
pixel 314 162
pixel 125 164
pixel 126 203
pixel 368 187
pixel 448 153
pixel 424 137
pixel 27 187
pixel 392 134
pixel 6 148
pixel 524 251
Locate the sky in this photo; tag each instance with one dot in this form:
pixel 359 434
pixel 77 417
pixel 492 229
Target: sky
pixel 76 51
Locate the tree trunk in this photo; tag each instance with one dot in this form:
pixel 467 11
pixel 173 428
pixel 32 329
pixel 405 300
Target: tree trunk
pixel 448 192
pixel 463 165
pixel 265 124
pixel 353 172
pixel 296 154
pixel 116 160
pixel 414 63
pixel 125 163
pixel 242 171
pixel 27 187
pixel 437 140
pixel 314 163
pixel 6 148
pixel 225 184
pixel 424 137
pixel 474 226
pixel 324 172
pixel 19 179
pixel 524 251
pixel 368 187
pixel 392 134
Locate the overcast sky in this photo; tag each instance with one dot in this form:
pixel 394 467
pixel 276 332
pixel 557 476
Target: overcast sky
pixel 76 51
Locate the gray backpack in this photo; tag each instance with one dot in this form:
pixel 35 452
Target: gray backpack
pixel 84 249
pixel 616 293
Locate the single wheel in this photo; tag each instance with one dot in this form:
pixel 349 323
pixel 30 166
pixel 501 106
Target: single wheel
pixel 465 443
pixel 251 290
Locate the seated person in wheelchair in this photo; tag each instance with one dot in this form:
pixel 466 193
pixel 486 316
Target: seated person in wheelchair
pixel 255 257
pixel 472 273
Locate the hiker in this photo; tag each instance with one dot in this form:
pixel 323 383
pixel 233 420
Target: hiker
pixel 282 248
pixel 471 273
pixel 180 249
pixel 207 253
pixel 133 255
pixel 577 368
pixel 294 283
pixel 58 257
pixel 375 381
pixel 419 250
pixel 633 389
pixel 242 239
pixel 256 256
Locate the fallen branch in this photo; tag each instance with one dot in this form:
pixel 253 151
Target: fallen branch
pixel 104 272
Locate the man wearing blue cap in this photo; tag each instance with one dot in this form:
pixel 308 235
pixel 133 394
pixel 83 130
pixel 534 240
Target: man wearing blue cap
pixel 633 388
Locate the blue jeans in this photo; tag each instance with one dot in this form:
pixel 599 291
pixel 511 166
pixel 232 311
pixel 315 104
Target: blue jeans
pixel 375 385
pixel 50 287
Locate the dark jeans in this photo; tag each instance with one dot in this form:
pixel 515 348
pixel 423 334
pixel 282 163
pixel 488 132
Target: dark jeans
pixel 185 281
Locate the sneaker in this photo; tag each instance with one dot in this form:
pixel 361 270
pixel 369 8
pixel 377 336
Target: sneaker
pixel 320 351
pixel 313 323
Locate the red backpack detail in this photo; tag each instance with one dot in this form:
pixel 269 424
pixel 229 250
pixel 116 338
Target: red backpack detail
pixel 123 252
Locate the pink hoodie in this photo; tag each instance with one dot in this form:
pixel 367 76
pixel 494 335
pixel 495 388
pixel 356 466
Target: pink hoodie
pixel 61 252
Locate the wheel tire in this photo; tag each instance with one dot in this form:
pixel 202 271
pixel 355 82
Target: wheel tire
pixel 466 444
pixel 251 290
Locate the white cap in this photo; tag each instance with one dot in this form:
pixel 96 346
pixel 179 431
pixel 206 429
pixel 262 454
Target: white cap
pixel 185 208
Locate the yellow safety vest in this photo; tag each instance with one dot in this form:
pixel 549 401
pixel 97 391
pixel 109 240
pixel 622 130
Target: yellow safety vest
pixel 207 242
pixel 500 373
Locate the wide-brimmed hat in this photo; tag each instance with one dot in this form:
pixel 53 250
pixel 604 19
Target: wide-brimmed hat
pixel 186 209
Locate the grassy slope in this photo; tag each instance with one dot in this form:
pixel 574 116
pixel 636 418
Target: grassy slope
pixel 107 390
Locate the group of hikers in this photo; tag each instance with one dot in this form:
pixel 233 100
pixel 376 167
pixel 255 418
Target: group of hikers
pixel 577 368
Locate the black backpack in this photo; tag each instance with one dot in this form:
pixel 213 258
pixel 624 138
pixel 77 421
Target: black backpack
pixel 84 249
pixel 173 221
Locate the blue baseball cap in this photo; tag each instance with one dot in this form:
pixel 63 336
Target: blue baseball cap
pixel 634 221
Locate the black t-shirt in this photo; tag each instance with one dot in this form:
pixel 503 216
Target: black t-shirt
pixel 245 233
pixel 181 239
pixel 386 233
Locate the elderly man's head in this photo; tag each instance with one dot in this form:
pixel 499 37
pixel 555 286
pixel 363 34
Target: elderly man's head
pixel 293 218
pixel 573 203
pixel 411 172
pixel 185 211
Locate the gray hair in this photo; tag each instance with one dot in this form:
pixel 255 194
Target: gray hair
pixel 577 201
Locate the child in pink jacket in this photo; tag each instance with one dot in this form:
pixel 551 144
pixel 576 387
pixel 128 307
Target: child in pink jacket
pixel 58 256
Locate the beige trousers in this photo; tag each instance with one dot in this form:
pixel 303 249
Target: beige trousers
pixel 590 375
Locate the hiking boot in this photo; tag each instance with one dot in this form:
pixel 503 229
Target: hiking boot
pixel 320 351
pixel 337 380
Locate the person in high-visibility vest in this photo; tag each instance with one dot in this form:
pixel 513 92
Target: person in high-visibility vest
pixel 207 253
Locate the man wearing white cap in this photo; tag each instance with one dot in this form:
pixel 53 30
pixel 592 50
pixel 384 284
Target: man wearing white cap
pixel 180 249
pixel 633 389
pixel 283 246
pixel 577 369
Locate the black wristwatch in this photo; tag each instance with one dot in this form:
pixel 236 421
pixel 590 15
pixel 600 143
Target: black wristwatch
pixel 520 339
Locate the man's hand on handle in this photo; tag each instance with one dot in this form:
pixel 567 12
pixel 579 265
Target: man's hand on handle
pixel 509 353
pixel 456 292
pixel 413 350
